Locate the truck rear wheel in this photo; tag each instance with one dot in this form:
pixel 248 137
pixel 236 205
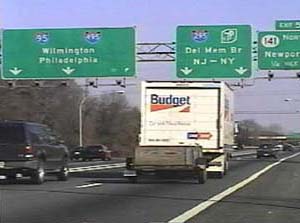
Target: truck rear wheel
pixel 220 175
pixel 63 174
pixel 202 176
pixel 38 175
pixel 226 167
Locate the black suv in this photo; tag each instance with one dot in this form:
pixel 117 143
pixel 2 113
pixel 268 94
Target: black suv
pixel 31 149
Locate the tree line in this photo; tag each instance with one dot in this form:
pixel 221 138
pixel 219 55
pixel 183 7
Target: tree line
pixel 108 119
pixel 249 130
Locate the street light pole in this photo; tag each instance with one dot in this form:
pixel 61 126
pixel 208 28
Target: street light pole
pixel 80 120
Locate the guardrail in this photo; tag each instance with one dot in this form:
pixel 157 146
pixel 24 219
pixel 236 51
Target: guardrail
pixel 232 154
pixel 250 147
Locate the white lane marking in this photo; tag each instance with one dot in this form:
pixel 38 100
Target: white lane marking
pixel 97 167
pixel 89 185
pixel 211 201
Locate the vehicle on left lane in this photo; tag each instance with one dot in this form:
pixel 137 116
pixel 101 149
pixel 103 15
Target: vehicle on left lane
pixel 33 150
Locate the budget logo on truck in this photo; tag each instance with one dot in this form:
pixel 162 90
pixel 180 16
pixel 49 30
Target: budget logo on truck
pixel 159 103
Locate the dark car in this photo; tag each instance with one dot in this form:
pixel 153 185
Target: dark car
pixel 288 147
pixel 75 153
pixel 32 150
pixel 95 152
pixel 267 150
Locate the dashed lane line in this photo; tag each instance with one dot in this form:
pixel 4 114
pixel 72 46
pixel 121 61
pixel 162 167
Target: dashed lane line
pixel 96 167
pixel 89 185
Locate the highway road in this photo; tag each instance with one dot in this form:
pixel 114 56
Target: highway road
pixel 97 196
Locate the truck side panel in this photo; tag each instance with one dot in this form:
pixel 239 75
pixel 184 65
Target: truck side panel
pixel 227 119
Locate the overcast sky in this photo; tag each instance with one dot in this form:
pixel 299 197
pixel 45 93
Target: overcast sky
pixel 156 21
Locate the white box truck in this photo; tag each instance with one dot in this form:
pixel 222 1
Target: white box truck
pixel 185 126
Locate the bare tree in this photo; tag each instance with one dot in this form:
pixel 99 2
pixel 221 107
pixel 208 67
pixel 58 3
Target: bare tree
pixel 108 120
pixel 54 105
pixel 111 121
pixel 249 130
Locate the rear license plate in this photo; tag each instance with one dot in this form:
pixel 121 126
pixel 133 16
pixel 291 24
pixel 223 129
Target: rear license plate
pixel 2 164
pixel 129 173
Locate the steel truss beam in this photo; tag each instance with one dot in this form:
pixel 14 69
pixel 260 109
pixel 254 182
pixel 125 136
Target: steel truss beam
pixel 155 52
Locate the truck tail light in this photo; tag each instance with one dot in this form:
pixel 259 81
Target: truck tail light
pixel 28 149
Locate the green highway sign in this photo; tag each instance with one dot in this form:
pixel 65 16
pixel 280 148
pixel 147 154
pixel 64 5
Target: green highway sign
pixel 279 50
pixel 287 25
pixel 68 53
pixel 214 51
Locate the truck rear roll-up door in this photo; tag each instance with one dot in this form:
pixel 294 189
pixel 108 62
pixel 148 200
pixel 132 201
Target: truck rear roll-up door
pixel 195 120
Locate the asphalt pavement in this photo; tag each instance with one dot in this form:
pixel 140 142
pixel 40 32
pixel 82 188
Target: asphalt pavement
pixel 272 198
pixel 105 196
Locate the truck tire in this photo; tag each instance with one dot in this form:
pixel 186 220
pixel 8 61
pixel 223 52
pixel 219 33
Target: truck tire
pixel 63 174
pixel 220 175
pixel 202 176
pixel 129 163
pixel 38 175
pixel 226 167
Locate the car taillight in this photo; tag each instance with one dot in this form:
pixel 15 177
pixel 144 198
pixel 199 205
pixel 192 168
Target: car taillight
pixel 28 149
pixel 28 152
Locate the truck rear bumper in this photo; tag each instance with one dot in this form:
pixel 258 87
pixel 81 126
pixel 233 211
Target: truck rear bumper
pixel 17 167
pixel 165 171
pixel 215 169
pixel 134 170
pixel 158 168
